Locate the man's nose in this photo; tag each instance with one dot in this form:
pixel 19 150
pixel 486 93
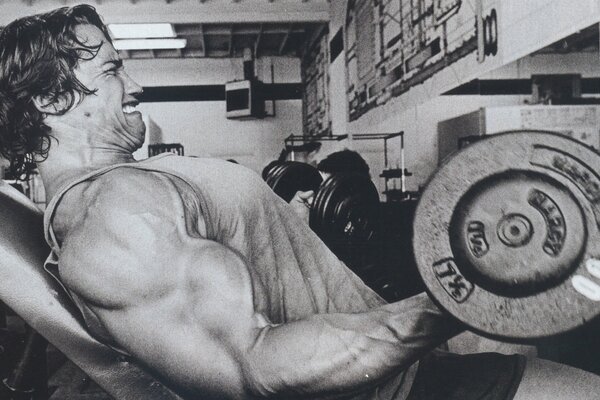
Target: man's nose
pixel 131 86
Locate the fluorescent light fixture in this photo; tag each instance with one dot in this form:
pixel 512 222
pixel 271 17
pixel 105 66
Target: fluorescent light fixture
pixel 139 31
pixel 142 44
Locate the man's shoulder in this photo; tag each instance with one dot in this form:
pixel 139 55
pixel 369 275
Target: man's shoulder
pixel 114 195
pixel 128 187
pixel 123 179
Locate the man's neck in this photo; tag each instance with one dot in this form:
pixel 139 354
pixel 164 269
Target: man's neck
pixel 72 156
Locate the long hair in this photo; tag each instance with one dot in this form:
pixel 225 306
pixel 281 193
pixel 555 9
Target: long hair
pixel 38 55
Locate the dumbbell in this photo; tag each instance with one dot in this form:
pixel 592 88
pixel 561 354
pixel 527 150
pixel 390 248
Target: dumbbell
pixel 506 235
pixel 288 177
pixel 345 208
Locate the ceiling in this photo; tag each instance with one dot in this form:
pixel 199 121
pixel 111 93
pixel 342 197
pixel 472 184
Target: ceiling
pixel 213 28
pixel 585 40
pixel 230 40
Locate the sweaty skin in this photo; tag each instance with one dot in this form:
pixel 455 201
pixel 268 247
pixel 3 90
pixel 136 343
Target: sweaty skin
pixel 183 305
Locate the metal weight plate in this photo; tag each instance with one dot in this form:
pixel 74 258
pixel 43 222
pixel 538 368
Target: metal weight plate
pixel 272 174
pixel 316 219
pixel 344 213
pixel 292 177
pixel 506 235
pixel 269 169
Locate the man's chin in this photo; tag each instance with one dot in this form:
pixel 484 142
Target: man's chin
pixel 136 136
pixel 139 139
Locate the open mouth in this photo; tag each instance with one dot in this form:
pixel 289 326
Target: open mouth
pixel 129 108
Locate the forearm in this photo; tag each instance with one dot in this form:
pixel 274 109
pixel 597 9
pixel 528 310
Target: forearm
pixel 330 353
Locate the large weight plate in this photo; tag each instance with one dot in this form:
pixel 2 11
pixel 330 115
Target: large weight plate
pixel 273 173
pixel 344 213
pixel 506 235
pixel 292 177
pixel 268 170
pixel 316 217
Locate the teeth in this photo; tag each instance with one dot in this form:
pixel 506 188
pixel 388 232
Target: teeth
pixel 128 109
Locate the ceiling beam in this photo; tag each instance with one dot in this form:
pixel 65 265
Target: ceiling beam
pixel 257 43
pixel 222 29
pixel 285 39
pixel 230 50
pixel 202 39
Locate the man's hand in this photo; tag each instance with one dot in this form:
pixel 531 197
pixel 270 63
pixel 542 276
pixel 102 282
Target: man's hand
pixel 302 202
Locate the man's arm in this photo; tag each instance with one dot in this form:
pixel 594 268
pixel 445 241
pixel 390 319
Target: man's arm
pixel 184 306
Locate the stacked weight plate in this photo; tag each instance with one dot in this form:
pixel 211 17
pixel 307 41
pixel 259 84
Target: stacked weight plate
pixel 290 176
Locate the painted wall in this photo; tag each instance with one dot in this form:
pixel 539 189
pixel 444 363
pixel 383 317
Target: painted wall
pixel 419 122
pixel 418 118
pixel 523 28
pixel 201 126
pixel 203 130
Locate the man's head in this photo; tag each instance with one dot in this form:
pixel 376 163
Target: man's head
pixel 60 67
pixel 344 161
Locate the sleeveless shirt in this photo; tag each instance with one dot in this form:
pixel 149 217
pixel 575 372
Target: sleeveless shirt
pixel 298 275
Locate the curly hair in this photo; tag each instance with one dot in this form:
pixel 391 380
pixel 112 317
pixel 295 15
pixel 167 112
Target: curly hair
pixel 38 55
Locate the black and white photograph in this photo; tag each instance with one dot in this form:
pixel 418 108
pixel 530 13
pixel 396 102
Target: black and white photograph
pixel 299 199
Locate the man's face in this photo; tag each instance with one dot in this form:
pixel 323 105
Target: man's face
pixel 109 113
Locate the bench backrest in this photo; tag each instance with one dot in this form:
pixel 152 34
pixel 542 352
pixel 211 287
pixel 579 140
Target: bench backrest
pixel 33 294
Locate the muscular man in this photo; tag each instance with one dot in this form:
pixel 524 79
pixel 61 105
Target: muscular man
pixel 195 268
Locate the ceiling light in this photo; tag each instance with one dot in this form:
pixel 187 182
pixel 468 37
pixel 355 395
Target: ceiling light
pixel 141 44
pixel 135 31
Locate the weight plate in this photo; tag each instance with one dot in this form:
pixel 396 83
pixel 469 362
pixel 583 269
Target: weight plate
pixel 273 173
pixel 293 177
pixel 344 213
pixel 269 169
pixel 506 235
pixel 316 221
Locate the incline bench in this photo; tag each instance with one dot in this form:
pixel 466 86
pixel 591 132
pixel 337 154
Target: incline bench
pixel 42 303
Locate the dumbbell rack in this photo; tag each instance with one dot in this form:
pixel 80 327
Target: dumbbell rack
pixel 387 173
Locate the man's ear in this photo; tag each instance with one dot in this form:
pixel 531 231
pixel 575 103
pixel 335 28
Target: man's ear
pixel 51 106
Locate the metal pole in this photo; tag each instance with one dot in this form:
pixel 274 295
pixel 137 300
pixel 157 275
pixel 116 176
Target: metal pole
pixel 402 177
pixel 385 156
